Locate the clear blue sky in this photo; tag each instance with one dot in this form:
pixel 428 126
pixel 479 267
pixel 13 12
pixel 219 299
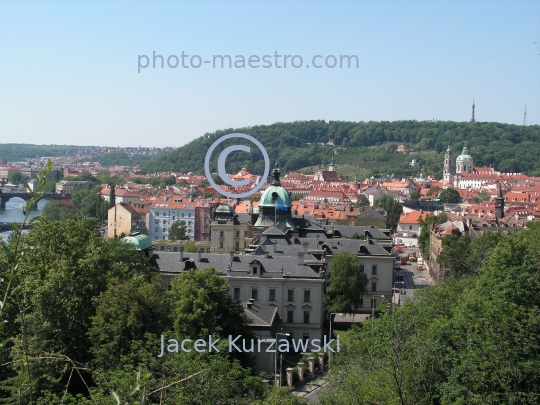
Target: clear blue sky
pixel 68 70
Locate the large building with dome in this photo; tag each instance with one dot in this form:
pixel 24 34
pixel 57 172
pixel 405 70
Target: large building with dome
pixel 464 166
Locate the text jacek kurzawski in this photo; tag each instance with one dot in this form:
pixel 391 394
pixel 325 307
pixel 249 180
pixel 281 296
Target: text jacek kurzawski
pixel 248 345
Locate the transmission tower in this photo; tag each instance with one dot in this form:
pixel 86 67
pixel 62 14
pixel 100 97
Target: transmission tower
pixel 525 117
pixel 472 118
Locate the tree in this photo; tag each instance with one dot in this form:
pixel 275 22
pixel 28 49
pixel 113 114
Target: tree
pixel 202 306
pixel 449 195
pixel 18 178
pixel 178 231
pixel 481 197
pixel 348 281
pixel 191 247
pixel 126 312
pixel 415 195
pixel 66 269
pixel 393 210
pixel 204 183
pixel 85 176
pixel 112 195
pixel 433 191
pixel 362 201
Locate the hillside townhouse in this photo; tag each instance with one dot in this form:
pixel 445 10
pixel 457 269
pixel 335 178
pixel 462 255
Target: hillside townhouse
pixel 168 209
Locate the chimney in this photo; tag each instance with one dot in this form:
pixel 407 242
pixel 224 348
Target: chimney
pixel 301 258
pixel 231 255
pixel 266 254
pixel 275 246
pixel 305 247
pixel 199 255
pixel 317 247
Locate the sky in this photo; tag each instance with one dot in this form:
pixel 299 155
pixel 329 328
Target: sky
pixel 69 71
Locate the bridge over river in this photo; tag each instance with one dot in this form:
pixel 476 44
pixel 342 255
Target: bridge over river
pixel 5 197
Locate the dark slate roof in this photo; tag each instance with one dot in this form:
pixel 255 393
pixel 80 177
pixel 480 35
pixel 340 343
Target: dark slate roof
pixel 371 248
pixel 276 230
pixel 261 315
pixel 169 262
pixel 349 231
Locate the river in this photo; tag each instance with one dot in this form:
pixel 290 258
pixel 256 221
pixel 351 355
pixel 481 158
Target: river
pixel 13 212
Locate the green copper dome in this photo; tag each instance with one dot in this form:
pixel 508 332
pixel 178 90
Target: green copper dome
pixel 464 155
pixel 224 209
pixel 138 240
pixel 268 214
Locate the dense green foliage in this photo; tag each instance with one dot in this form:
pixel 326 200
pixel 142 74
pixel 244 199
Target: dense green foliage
pixel 393 209
pixel 449 195
pixel 470 339
pixel 86 202
pixel 363 148
pixel 94 310
pixel 346 284
pixel 178 231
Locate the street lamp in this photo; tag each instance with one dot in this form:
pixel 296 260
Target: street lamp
pixel 275 362
pixel 333 313
pixel 373 305
pixel 330 337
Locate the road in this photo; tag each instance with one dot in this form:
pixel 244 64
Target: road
pixel 413 278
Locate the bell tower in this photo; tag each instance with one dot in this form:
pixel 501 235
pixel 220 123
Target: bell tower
pixel 448 174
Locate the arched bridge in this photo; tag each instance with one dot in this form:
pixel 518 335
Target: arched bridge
pixel 5 197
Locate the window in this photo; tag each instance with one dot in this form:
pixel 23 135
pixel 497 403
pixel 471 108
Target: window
pixel 236 293
pixel 157 214
pixel 157 221
pixel 221 245
pixel 156 230
pixel 410 227
pixel 182 215
pixel 237 245
pixel 164 229
pixel 306 316
pixel 255 294
pixel 361 302
pixel 272 296
pixel 374 269
pixel 361 267
pixel 237 234
pixel 164 221
pixel 290 295
pixel 374 287
pixel 290 316
pixel 174 218
pixel 221 234
pixel 255 269
pixel 307 295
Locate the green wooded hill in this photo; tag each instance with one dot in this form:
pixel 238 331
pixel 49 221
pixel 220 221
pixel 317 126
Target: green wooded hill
pixel 365 148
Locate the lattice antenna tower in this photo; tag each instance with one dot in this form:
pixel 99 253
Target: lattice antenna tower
pixel 472 118
pixel 525 117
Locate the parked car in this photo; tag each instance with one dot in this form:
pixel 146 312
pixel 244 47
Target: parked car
pixel 403 260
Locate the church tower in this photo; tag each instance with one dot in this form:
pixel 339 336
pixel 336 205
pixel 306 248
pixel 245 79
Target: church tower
pixel 448 174
pixel 499 203
pixel 332 167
